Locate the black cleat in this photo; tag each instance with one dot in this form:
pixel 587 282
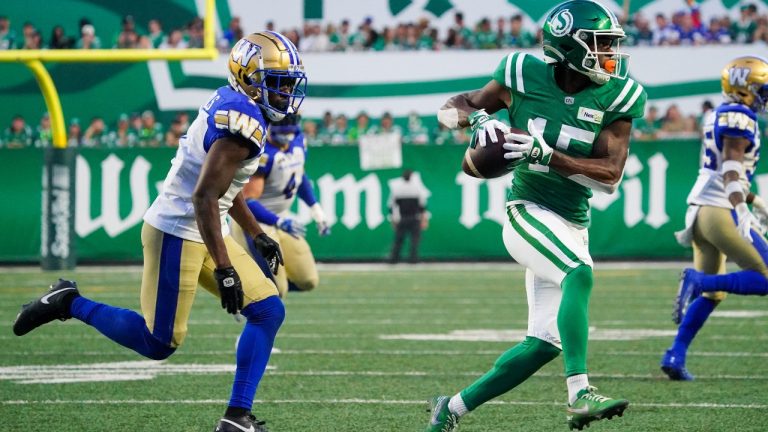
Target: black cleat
pixel 53 305
pixel 246 423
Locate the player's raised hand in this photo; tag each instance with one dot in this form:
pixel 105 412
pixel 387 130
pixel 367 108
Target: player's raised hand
pixel 230 289
pixel 292 226
pixel 482 124
pixel 270 250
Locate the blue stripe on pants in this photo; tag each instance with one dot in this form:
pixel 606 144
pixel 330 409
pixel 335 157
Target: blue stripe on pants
pixel 167 288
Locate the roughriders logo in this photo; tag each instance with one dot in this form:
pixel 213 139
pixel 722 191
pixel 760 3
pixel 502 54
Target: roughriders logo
pixel 561 23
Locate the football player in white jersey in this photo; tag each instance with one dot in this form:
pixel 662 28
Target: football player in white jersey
pixel 185 236
pixel 270 195
pixel 719 224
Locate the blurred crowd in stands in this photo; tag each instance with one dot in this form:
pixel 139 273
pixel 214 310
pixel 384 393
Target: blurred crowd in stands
pixel 685 27
pixel 143 130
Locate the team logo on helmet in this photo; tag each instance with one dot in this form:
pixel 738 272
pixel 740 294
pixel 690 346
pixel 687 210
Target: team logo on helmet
pixel 561 23
pixel 738 76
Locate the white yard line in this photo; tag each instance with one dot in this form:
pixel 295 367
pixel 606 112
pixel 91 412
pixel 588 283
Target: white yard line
pixel 693 405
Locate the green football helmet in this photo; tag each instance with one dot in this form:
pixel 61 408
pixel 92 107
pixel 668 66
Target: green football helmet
pixel 578 32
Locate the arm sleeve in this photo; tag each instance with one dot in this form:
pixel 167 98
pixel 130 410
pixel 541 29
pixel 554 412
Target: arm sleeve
pixel 305 191
pixel 735 121
pixel 261 213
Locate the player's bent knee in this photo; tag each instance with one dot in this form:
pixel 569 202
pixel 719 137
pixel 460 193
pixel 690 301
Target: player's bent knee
pixel 543 349
pixel 270 310
pixel 308 284
pixel 155 349
pixel 581 276
pixel 716 296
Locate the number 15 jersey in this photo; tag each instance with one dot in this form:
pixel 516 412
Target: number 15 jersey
pixel 570 123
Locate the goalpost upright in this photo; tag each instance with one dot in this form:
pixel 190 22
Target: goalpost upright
pixel 58 176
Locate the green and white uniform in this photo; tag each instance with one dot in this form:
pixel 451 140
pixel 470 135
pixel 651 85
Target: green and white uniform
pixel 548 213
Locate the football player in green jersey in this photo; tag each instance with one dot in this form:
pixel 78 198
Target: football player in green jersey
pixel 578 105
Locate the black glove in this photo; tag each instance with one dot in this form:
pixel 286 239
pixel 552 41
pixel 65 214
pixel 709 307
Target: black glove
pixel 270 250
pixel 230 288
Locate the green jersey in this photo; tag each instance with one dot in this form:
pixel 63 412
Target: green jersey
pixel 570 123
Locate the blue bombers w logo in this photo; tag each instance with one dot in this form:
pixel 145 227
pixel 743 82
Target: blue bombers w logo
pixel 244 52
pixel 738 76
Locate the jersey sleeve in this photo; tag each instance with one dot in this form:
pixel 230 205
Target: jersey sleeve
pixel 234 118
pixel 628 103
pixel 265 164
pixel 736 121
pixel 511 71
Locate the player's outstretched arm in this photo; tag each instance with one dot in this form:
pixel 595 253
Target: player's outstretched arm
pixel 455 113
pixel 216 176
pixel 604 169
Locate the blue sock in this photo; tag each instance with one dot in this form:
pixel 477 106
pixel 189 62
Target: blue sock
pixel 694 319
pixel 123 326
pixel 253 350
pixel 745 282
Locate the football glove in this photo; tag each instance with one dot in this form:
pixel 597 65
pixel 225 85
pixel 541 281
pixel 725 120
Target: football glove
pixel 230 289
pixel 270 250
pixel 291 226
pixel 481 123
pixel 318 215
pixel 744 219
pixel 533 147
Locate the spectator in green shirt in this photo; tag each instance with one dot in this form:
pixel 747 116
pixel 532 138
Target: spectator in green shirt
pixel 463 33
pixel 647 128
pixel 518 37
pixel 310 133
pixel 88 38
pixel 123 135
pixel 484 37
pixel 339 135
pixel 18 134
pixel 43 132
pixel 416 132
pixel 7 36
pixel 151 133
pixel 362 127
pixel 156 34
pixel 743 30
pixel 95 134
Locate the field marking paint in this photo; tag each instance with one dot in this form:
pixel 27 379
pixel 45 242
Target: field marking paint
pixel 694 405
pixel 484 335
pixel 740 314
pixel 113 371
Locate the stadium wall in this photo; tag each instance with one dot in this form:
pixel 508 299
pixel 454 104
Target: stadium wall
pixel 114 188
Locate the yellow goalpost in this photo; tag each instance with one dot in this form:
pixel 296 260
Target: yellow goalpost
pixel 57 249
pixel 34 59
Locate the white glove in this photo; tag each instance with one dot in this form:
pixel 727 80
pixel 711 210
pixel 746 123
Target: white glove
pixel 481 124
pixel 318 215
pixel 744 219
pixel 291 226
pixel 532 147
pixel 760 211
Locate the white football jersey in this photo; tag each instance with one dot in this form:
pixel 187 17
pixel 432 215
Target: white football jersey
pixel 226 113
pixel 283 173
pixel 732 120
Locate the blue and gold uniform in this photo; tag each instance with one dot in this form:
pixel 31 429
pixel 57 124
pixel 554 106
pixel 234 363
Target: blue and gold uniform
pixel 175 258
pixel 281 171
pixel 266 83
pixel 718 223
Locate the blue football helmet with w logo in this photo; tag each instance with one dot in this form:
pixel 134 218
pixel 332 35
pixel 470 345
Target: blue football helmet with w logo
pixel 266 67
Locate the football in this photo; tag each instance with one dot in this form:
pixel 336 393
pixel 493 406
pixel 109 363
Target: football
pixel 488 161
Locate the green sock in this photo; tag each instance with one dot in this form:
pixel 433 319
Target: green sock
pixel 511 368
pixel 573 319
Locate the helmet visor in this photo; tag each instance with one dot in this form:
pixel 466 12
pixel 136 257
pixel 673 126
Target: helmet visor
pixel 283 91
